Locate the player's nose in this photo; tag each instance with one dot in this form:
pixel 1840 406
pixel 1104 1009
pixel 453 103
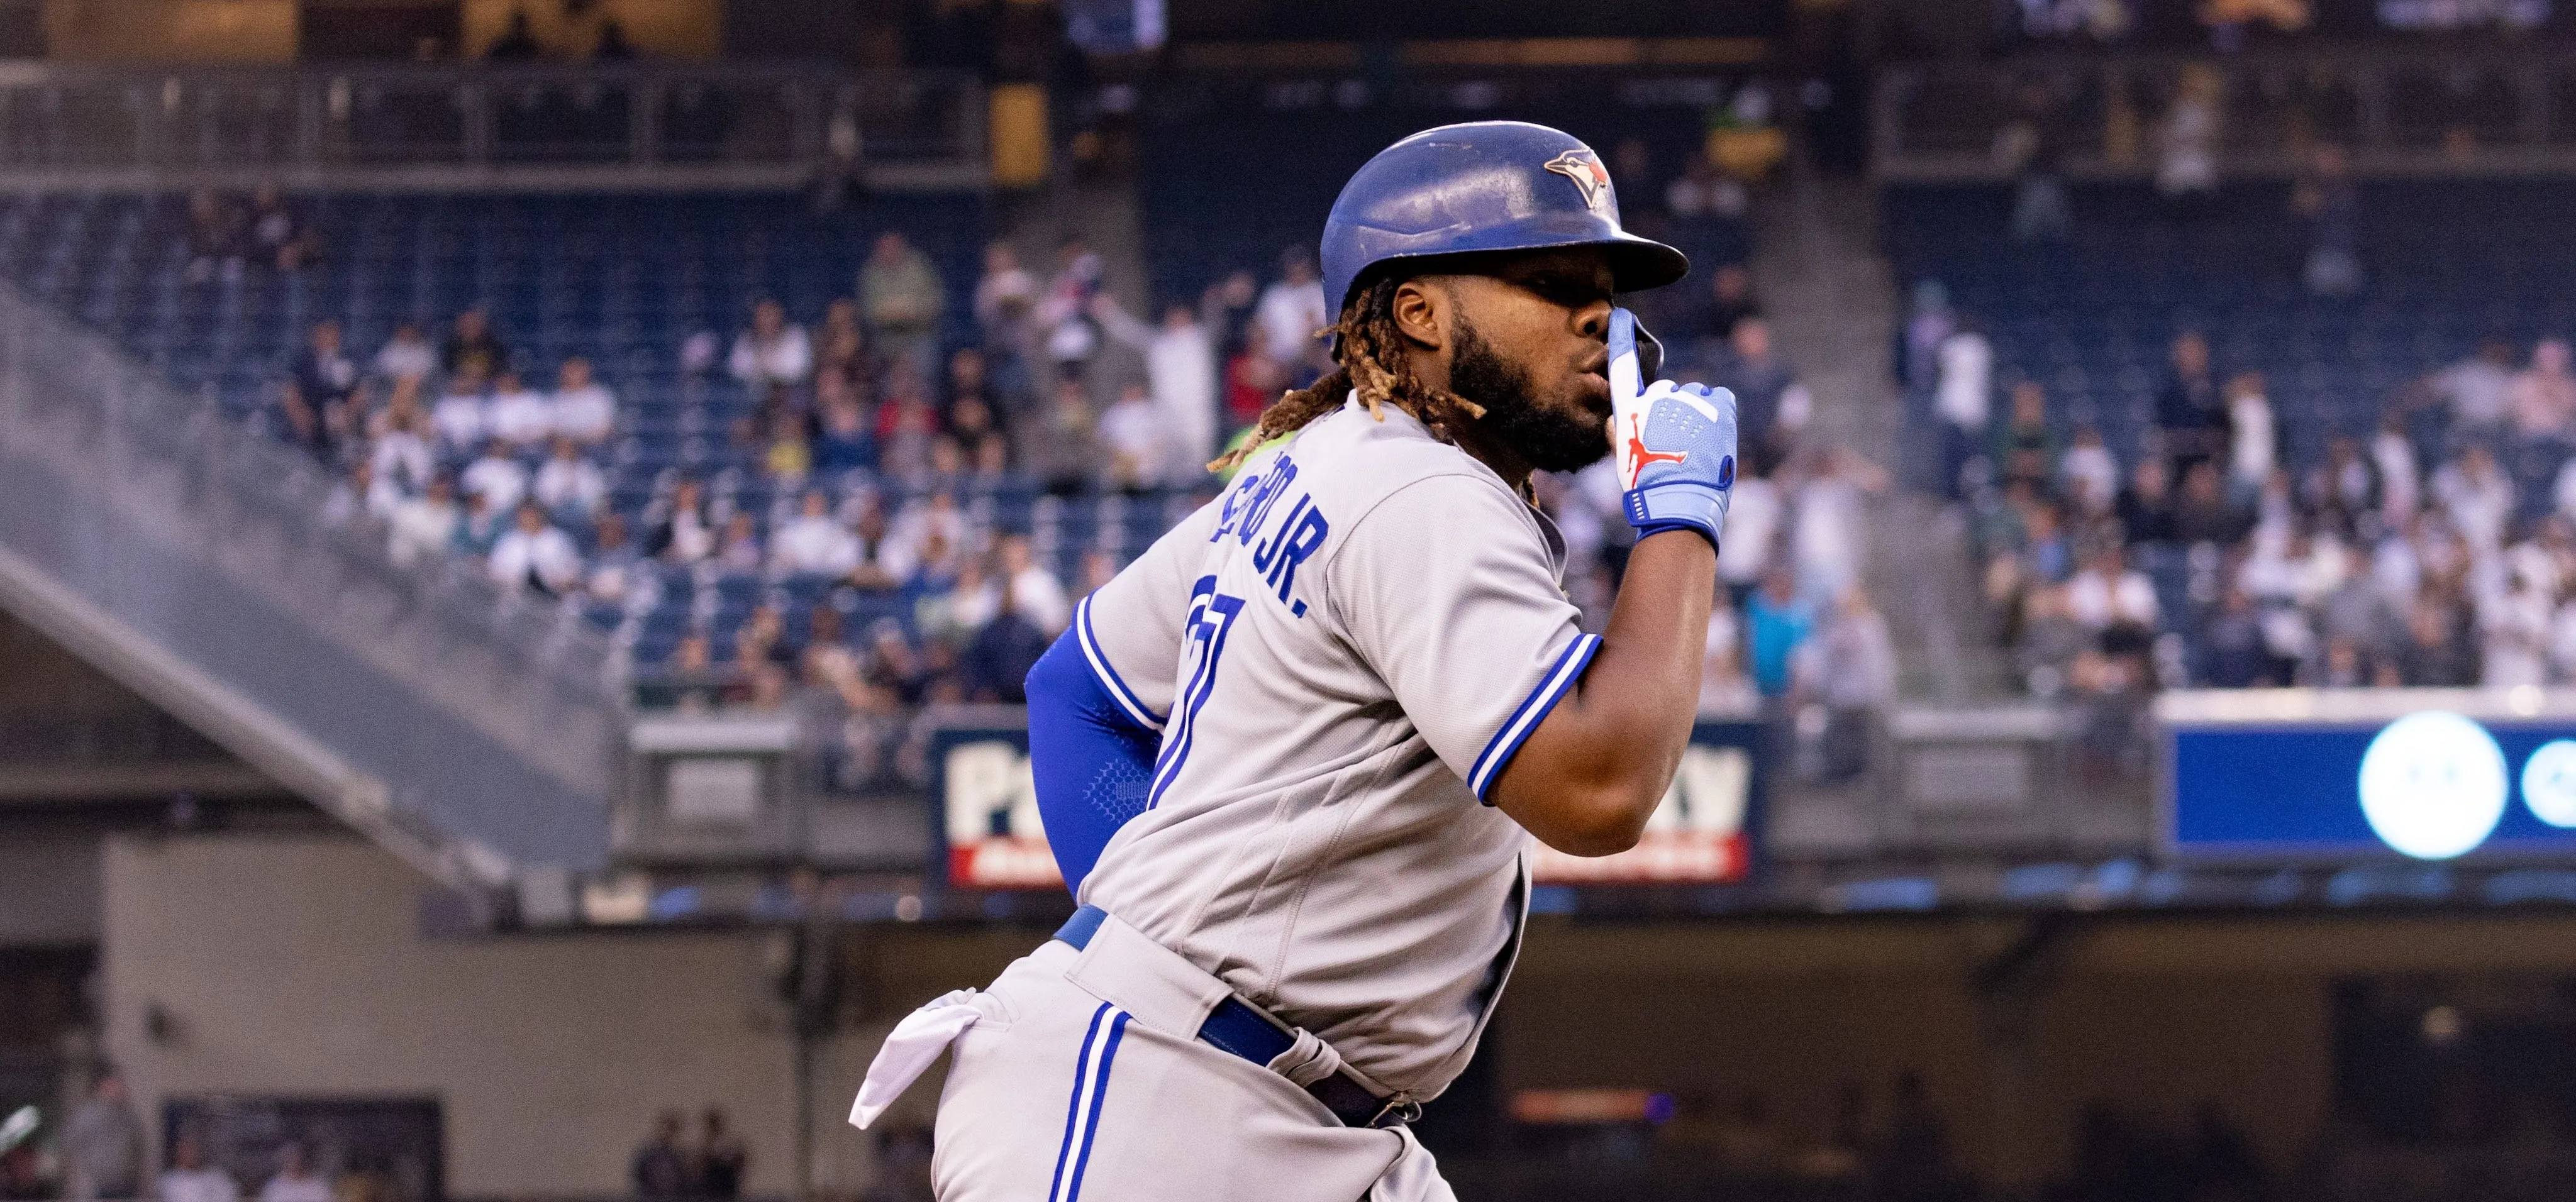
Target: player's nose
pixel 1593 321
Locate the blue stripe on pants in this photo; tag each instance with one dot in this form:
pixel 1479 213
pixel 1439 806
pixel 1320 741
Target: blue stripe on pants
pixel 1099 1094
pixel 1073 1108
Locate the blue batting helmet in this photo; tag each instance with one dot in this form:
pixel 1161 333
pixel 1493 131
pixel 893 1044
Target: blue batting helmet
pixel 1484 186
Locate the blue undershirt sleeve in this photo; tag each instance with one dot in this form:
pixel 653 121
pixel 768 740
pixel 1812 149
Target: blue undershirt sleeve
pixel 1090 759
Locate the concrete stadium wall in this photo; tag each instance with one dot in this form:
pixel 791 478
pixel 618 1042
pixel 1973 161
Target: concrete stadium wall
pixel 292 966
pixel 2159 1014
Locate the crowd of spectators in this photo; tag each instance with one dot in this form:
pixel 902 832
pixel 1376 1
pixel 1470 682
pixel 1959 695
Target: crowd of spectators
pixel 2440 550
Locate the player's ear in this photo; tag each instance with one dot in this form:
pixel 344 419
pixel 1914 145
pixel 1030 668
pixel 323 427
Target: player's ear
pixel 1421 313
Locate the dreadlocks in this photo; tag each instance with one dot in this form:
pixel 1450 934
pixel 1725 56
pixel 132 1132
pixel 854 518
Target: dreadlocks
pixel 1371 360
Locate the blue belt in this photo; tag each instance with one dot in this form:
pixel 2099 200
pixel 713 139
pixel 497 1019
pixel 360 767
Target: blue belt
pixel 1235 1026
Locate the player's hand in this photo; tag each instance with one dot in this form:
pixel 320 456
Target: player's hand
pixel 1675 443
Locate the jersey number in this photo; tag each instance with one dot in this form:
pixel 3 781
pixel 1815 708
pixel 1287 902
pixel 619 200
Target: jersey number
pixel 1212 616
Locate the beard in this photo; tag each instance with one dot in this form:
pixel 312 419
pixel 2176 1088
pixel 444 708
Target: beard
pixel 1547 437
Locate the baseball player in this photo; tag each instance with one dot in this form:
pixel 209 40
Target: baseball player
pixel 1309 734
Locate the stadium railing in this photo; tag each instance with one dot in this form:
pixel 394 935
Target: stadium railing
pixel 474 732
pixel 442 126
pixel 2486 112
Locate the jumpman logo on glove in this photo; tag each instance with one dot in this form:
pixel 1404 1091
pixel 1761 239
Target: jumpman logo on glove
pixel 1675 443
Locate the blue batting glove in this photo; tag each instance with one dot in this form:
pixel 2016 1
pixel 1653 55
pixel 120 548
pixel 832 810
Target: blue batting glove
pixel 1675 443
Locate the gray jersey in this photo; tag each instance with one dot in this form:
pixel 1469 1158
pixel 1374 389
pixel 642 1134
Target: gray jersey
pixel 1343 652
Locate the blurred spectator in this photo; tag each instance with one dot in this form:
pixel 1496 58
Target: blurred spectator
pixel 215 237
pixel 998 657
pixel 1180 370
pixel 722 1156
pixel 842 439
pixel 1724 687
pixel 1828 531
pixel 1034 592
pixel 2437 653
pixel 2190 412
pixel 2515 624
pixel 2477 495
pixel 789 459
pixel 461 418
pixel 359 492
pixel 906 425
pixel 1753 522
pixel 880 562
pixel 613 560
pixel 2107 593
pixel 772 351
pixel 517 43
pixel 1857 680
pixel 2024 448
pixel 660 1168
pixel 841 346
pixel 2187 144
pixel 2544 396
pixel 1731 299
pixel 1292 310
pixel 1061 447
pixel 582 409
pixel 2253 440
pixel 1131 434
pixel 612 46
pixel 497 478
pixel 2330 206
pixel 1914 1163
pixel 1253 380
pixel 1063 315
pixel 2089 475
pixel 426 524
pixel 815 542
pixel 2392 458
pixel 2146 506
pixel 322 381
pixel 406 355
pixel 2479 390
pixel 478 528
pixel 1006 299
pixel 295 1180
pixel 1771 405
pixel 517 414
pixel 277 235
pixel 2203 514
pixel 102 1144
pixel 901 296
pixel 473 349
pixel 933 531
pixel 1702 192
pixel 1962 397
pixel 737 550
pixel 1777 624
pixel 2233 644
pixel 190 1179
pixel 680 533
pixel 1928 324
pixel 568 485
pixel 2033 148
pixel 402 457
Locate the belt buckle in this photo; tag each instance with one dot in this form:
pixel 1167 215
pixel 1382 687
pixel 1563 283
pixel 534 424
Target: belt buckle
pixel 1405 1110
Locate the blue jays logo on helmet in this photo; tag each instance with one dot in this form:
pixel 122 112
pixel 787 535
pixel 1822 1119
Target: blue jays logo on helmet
pixel 1585 169
pixel 1480 187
